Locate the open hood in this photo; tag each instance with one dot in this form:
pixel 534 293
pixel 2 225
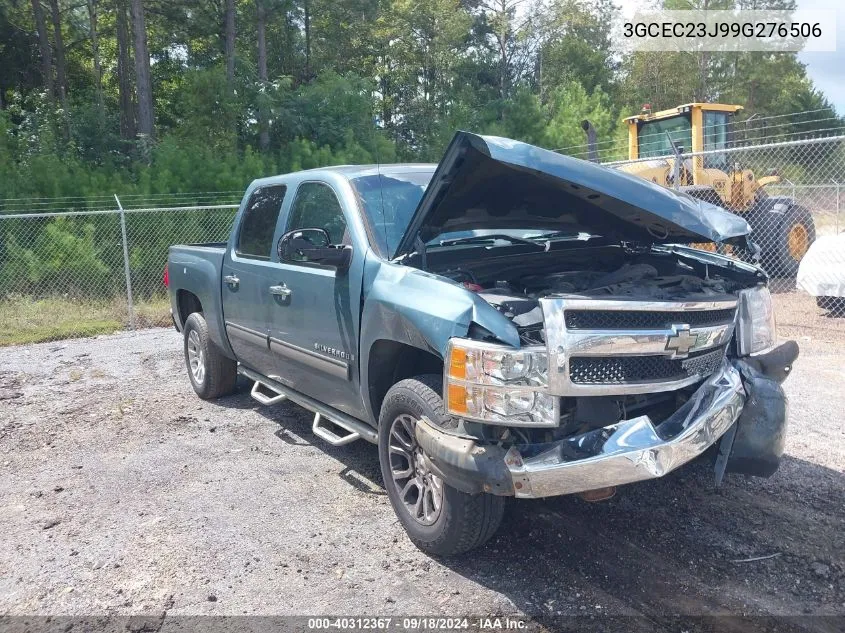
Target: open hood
pixel 488 182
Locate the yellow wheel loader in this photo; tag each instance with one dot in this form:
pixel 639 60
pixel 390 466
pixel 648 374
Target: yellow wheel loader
pixel 782 228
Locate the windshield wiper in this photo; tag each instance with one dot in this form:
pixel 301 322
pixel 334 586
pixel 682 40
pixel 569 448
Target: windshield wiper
pixel 573 235
pixel 481 239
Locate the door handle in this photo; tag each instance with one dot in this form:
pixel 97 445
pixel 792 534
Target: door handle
pixel 232 281
pixel 280 291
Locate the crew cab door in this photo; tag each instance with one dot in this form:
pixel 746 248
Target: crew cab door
pixel 314 315
pixel 247 274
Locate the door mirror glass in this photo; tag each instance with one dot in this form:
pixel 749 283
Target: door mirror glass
pixel 313 246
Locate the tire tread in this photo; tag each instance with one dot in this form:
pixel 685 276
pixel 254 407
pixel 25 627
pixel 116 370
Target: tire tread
pixel 221 372
pixel 470 520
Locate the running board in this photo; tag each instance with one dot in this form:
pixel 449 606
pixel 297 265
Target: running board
pixel 262 397
pixel 356 428
pixel 330 436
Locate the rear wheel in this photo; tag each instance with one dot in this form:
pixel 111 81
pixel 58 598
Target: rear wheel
pixel 438 518
pixel 212 373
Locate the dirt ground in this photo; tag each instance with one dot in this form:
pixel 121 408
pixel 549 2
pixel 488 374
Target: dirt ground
pixel 123 493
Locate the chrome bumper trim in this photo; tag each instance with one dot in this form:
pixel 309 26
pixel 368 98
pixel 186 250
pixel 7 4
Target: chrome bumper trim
pixel 635 449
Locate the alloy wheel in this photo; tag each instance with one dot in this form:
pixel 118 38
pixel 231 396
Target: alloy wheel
pixel 196 357
pixel 419 489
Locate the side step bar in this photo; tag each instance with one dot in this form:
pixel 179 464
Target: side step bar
pixel 257 393
pixel 356 428
pixel 330 436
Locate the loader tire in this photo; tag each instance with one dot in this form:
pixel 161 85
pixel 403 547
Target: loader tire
pixel 784 240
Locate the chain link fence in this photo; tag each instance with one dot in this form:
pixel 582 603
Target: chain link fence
pixel 793 196
pixel 75 267
pixel 83 272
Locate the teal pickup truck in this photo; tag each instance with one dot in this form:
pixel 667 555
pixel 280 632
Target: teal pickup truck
pixel 510 322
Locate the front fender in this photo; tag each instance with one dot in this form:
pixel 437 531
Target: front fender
pixel 422 310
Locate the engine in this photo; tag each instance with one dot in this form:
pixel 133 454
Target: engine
pixel 517 298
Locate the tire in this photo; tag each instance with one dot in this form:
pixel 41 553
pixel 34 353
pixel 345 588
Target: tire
pixel 217 374
pixel 832 304
pixel 784 241
pixel 463 521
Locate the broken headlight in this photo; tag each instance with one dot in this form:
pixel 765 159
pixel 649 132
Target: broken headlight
pixel 499 385
pixel 756 327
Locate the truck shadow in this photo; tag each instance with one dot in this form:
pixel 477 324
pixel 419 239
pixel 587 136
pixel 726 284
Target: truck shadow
pixel 293 423
pixel 671 546
pixel 676 546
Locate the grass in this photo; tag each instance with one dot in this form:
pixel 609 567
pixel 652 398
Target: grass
pixel 26 320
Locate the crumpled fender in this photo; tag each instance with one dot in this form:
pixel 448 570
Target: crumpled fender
pixel 760 436
pixel 420 309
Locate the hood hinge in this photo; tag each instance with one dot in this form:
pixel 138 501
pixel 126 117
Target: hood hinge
pixel 420 246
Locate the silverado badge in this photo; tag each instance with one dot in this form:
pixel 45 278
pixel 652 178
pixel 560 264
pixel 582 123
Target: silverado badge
pixel 337 353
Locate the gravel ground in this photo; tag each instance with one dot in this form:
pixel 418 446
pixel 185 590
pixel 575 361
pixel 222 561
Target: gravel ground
pixel 122 493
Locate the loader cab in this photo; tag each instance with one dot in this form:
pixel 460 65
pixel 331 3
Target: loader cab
pixel 694 127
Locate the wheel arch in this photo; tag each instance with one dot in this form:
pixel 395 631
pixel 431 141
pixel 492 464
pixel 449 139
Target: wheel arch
pixel 390 361
pixel 187 303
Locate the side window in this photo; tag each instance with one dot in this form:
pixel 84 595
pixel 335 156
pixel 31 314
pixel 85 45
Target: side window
pixel 716 132
pixel 317 207
pixel 255 238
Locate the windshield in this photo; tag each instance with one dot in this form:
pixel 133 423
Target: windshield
pixel 389 209
pixel 389 201
pixel 653 136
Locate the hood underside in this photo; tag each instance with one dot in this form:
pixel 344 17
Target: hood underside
pixel 488 182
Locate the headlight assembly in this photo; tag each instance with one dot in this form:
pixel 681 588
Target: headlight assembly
pixel 756 327
pixel 499 385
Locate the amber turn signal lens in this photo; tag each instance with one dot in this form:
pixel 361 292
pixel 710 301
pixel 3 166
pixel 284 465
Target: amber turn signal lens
pixel 458 363
pixel 457 399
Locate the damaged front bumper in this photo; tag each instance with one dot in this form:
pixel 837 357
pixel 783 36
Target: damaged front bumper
pixel 745 393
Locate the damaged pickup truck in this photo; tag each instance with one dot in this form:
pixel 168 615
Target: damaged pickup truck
pixel 511 322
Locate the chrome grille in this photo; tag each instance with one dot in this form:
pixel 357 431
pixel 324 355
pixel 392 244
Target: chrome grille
pixel 621 346
pixel 636 369
pixel 634 319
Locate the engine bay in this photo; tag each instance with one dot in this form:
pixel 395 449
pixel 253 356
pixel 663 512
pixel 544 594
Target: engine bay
pixel 514 286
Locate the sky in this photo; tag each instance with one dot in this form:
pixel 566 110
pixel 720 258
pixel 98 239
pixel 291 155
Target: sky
pixel 827 70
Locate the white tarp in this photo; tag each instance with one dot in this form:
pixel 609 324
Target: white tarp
pixel 822 271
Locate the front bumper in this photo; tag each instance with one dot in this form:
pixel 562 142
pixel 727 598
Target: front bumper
pixel 626 452
pixel 632 450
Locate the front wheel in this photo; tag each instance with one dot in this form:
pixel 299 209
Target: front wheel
pixel 438 518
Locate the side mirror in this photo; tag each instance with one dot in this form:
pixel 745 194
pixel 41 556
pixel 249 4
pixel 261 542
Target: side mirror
pixel 313 246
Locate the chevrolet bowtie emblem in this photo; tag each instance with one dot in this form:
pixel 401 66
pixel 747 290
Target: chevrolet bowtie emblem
pixel 681 341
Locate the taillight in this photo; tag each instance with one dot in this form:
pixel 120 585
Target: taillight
pixel 166 278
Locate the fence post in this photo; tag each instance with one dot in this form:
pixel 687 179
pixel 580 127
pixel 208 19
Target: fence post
pixel 837 183
pixel 130 303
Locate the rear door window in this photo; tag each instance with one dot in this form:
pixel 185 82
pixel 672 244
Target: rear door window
pixel 255 238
